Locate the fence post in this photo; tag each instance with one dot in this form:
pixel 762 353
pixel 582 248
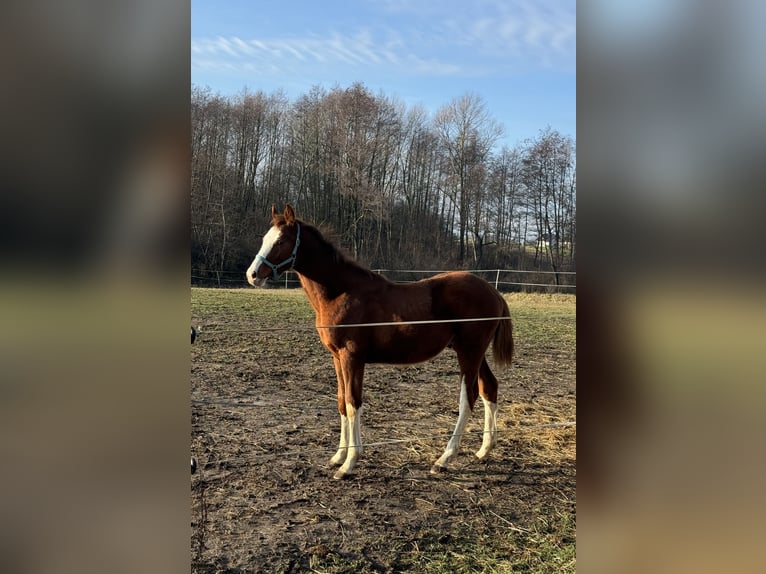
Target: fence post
pixel 497 278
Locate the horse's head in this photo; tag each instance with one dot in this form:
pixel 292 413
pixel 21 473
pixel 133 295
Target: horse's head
pixel 279 248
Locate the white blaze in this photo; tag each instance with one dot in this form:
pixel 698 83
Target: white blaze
pixel 269 240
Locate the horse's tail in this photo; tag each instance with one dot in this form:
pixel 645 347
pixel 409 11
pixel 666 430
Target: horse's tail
pixel 502 345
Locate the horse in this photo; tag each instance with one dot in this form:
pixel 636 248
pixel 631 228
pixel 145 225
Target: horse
pixel 362 317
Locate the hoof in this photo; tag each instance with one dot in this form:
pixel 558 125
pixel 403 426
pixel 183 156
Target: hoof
pixel 341 475
pixel 438 469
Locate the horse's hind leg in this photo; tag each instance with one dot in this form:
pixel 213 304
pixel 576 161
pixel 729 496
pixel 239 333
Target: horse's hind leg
pixel 468 392
pixel 488 392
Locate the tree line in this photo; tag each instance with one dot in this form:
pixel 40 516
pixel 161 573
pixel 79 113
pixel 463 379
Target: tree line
pixel 394 186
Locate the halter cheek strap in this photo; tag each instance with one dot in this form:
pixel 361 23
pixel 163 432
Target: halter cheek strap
pixel 289 261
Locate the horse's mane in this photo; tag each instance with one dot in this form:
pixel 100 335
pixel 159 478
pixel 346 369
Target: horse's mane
pixel 336 254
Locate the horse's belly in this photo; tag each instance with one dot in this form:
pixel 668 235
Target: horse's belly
pixel 413 345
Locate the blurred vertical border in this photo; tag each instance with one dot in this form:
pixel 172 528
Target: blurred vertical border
pixel 94 297
pixel 672 313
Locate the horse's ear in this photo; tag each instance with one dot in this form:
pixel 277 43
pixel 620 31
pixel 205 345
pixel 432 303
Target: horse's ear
pixel 273 212
pixel 289 213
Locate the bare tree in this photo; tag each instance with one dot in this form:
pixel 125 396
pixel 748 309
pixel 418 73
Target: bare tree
pixel 467 133
pixel 549 164
pixel 400 188
pixel 505 188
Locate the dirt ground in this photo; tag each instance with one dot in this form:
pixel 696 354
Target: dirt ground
pixel 265 423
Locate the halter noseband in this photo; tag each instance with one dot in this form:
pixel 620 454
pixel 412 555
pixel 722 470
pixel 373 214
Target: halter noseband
pixel 289 261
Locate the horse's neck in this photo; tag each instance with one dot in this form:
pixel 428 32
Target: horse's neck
pixel 317 294
pixel 324 276
pixel 335 279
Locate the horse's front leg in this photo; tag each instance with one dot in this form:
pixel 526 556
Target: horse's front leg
pixel 353 375
pixel 340 456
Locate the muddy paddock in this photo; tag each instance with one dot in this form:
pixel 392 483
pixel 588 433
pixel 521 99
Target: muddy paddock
pixel 265 424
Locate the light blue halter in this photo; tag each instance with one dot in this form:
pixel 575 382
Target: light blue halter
pixel 289 261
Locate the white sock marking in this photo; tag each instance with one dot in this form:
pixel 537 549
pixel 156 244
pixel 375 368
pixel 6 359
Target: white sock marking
pixel 340 456
pixel 462 419
pixel 354 440
pixel 490 428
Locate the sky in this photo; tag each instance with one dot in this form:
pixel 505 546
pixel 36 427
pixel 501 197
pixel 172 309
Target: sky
pixel 518 55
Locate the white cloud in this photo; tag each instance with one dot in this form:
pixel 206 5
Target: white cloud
pixel 534 31
pixel 449 37
pixel 361 50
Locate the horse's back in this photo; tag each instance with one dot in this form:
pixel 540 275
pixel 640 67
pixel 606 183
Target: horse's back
pixel 464 295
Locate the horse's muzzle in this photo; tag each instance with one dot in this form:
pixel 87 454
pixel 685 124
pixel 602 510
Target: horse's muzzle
pixel 256 281
pixel 253 279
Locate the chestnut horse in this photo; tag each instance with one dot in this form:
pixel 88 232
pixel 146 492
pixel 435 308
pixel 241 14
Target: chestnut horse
pixel 460 310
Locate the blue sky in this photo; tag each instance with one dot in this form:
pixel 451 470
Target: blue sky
pixel 518 55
